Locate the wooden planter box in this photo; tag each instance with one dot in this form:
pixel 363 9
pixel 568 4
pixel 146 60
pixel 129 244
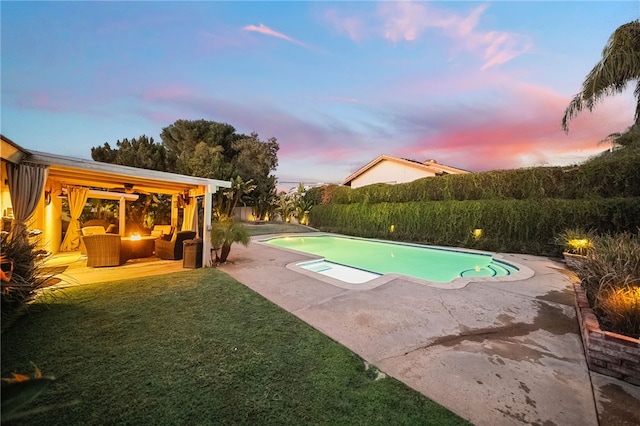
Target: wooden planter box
pixel 607 353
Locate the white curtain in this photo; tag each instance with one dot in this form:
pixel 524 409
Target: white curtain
pixel 26 182
pixel 77 198
pixel 190 219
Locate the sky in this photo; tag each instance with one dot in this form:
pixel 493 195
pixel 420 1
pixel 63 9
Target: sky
pixel 474 85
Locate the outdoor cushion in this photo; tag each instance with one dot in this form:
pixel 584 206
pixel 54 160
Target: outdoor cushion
pixel 92 230
pixel 161 230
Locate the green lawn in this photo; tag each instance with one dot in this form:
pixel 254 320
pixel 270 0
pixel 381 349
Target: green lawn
pixel 196 347
pixel 275 228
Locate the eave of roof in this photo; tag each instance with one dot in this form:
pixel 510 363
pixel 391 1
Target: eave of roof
pixel 11 151
pixel 77 171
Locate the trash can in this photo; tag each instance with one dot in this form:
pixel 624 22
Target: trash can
pixel 192 254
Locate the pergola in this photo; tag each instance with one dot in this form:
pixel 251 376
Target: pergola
pixel 64 173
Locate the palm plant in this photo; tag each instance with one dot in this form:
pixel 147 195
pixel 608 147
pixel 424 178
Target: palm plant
pixel 620 64
pixel 26 277
pixel 228 199
pixel 285 206
pixel 224 233
pixel 302 208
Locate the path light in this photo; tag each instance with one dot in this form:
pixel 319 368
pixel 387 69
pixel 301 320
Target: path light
pixel 392 228
pixel 580 245
pixel 477 233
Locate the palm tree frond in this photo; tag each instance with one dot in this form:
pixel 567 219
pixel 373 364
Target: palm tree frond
pixel 620 64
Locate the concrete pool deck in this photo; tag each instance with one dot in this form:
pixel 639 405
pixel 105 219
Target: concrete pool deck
pixel 496 353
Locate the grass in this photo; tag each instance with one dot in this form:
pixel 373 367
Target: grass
pixel 196 347
pixel 275 228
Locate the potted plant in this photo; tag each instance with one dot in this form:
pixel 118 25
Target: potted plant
pixel 225 232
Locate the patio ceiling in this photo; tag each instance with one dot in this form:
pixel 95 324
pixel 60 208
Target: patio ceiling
pixel 89 173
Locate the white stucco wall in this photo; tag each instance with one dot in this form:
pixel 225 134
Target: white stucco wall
pixel 389 172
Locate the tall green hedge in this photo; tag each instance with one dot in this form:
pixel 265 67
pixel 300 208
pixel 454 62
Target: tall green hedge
pixel 519 210
pixel 523 226
pixel 615 174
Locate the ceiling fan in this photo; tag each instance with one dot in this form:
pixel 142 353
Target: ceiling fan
pixel 128 188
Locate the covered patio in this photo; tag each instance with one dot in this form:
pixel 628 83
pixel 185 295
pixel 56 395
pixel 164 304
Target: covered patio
pixel 34 185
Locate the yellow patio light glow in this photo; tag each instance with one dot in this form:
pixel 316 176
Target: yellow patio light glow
pixel 477 233
pixel 392 228
pixel 580 245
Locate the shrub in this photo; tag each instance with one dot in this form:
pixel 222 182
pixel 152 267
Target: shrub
pixel 610 275
pixel 618 307
pixel 224 233
pixel 26 279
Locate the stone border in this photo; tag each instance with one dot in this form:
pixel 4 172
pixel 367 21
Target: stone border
pixel 607 353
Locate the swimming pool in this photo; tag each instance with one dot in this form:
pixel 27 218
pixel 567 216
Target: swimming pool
pixel 357 260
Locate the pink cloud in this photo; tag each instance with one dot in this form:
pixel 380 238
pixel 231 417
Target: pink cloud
pixel 352 26
pixel 158 93
pixel 523 133
pixel 263 29
pixel 408 21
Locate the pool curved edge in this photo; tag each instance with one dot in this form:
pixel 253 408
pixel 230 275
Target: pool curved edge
pixel 523 272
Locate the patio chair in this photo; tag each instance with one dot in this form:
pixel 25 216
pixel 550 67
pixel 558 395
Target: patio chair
pixel 89 230
pixel 104 250
pixel 172 250
pixel 165 231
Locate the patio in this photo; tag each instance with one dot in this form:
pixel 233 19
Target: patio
pixel 35 183
pixel 70 269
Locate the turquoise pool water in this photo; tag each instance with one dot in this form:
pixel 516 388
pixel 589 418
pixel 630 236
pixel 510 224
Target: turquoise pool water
pixel 429 263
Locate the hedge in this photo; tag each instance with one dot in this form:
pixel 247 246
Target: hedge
pixel 522 226
pixel 614 174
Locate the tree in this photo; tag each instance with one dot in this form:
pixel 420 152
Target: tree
pixel 619 140
pixel 619 65
pixel 181 138
pixel 142 152
pixel 205 149
pixel 228 199
pixel 214 150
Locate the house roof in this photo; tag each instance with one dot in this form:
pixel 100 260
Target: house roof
pixel 77 171
pixel 430 166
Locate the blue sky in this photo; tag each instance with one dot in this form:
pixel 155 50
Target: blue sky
pixel 475 85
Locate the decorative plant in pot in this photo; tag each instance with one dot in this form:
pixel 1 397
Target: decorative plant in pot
pixel 576 244
pixel 225 232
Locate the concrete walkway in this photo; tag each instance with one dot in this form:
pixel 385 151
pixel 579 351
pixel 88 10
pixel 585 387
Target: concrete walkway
pixel 496 353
